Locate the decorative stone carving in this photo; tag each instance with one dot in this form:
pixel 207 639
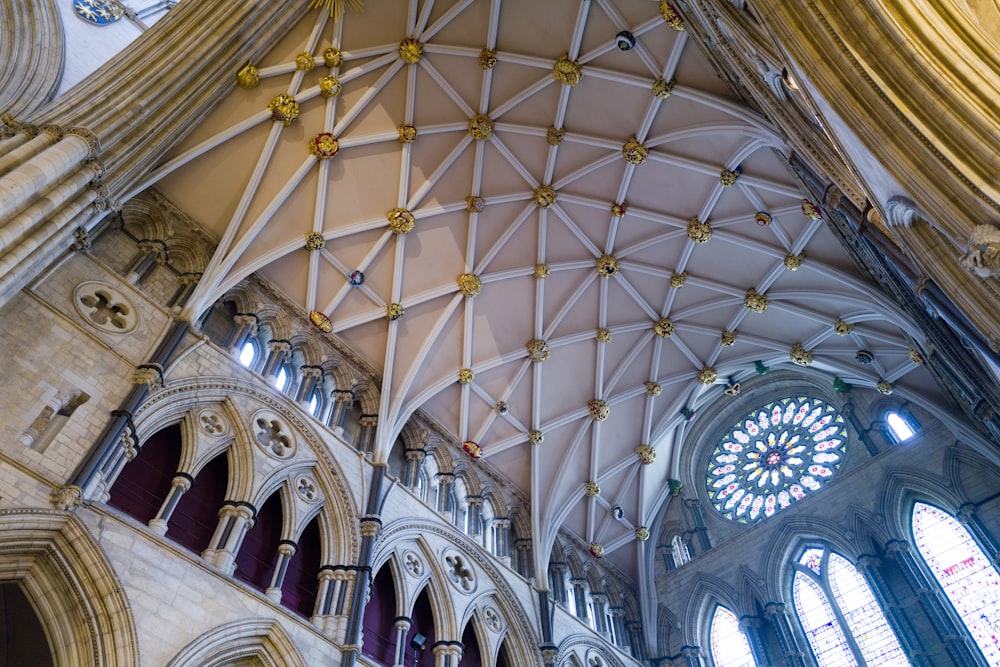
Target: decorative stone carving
pixel 646 454
pixel 603 335
pixel 634 152
pixel 675 486
pixel 538 350
pixel 284 109
pixel 307 488
pixel 320 321
pixel 270 435
pixel 663 327
pixel 982 256
pixel 248 76
pixel 324 146
pixel 487 59
pixel 916 357
pixel 596 550
pixel 699 231
pixel 545 196
pixel 800 356
pixel 707 375
pixel 491 618
pixel 793 262
pixel 607 266
pixel 212 423
pixel 305 61
pixel 470 284
pixel 541 271
pixel 554 135
pixel 536 437
pixel 371 526
pixel 474 204
pixel 502 407
pixel 407 133
pixel 619 209
pixel 733 388
pixel 662 88
pixel 481 127
pixel 762 218
pixel 66 498
pixel 567 71
pixel 329 86
pixel 671 16
pixel 727 178
pixel 393 311
pixel 459 573
pixel 105 307
pixel 401 221
pixel 315 241
pixel 677 280
pixel 150 375
pixel 466 376
pixel 864 357
pixel 413 564
pixel 653 388
pixel 810 210
pixel 641 533
pixel 840 386
pixel 411 51
pixel 591 489
pixel 842 328
pixel 333 57
pixel 599 410
pixel 728 338
pixel 884 387
pixel 473 449
pixel 755 302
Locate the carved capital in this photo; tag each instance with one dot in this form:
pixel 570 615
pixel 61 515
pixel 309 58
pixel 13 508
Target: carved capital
pixel 66 498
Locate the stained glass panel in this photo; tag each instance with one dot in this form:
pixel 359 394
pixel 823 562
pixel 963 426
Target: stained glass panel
pixel 827 640
pixel 965 573
pixel 863 615
pixel 730 647
pixel 774 456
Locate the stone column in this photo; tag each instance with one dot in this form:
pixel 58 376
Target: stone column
pixel 869 567
pixel 775 613
pixel 342 401
pixel 331 600
pixel 311 375
pixel 188 280
pixel 600 600
pixel 445 503
pixel 152 253
pixel 967 517
pixel 750 626
pixel 617 627
pixel 245 326
pixel 278 351
pixel 367 432
pixel 286 549
pixel 949 628
pixel 636 640
pixel 691 655
pixel 235 519
pixel 502 527
pixel 667 554
pixel 474 518
pixel 117 457
pixel 180 484
pixel 525 560
pixel 580 597
pixel 402 625
pixel 557 580
pixel 447 654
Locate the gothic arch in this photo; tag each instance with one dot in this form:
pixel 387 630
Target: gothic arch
pixel 69 581
pixel 707 592
pixel 258 642
pixel 33 60
pixel 904 486
pixel 581 649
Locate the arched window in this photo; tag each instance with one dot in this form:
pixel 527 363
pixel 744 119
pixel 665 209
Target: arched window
pixel 901 428
pixel 679 550
pixel 315 402
pixel 774 456
pixel 282 379
pixel 730 647
pixel 840 615
pixel 248 353
pixel 965 573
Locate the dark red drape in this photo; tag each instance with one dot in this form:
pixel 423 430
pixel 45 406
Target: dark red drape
pixel 144 482
pixel 197 514
pixel 298 591
pixel 259 552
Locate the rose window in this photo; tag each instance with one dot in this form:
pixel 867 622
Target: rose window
pixel 775 455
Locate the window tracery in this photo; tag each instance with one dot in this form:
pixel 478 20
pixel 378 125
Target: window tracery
pixel 730 647
pixel 774 456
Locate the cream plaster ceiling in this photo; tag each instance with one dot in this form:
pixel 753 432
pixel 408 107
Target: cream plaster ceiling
pixel 254 183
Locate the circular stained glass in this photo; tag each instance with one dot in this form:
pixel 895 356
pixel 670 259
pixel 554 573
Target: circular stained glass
pixel 775 455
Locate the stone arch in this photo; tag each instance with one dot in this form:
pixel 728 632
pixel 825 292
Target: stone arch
pixel 367 396
pixel 707 592
pixel 32 55
pixel 71 584
pixel 581 649
pixel 258 642
pixel 903 487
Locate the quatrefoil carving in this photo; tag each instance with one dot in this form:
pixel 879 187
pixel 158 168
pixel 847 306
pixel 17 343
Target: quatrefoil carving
pixel 270 435
pixel 460 574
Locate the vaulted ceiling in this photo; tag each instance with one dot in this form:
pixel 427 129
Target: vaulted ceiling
pixel 571 204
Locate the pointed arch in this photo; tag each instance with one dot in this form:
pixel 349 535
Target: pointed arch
pixel 261 639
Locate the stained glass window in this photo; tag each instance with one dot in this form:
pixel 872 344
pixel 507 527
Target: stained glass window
pixel 730 647
pixel 901 429
pixel 841 617
pixel 965 573
pixel 774 456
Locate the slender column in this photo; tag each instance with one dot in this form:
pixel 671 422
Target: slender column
pixel 286 549
pixel 750 626
pixel 869 566
pixel 447 654
pixel 24 145
pixel 310 375
pixel 414 460
pixel 245 326
pixel 278 351
pixel 775 613
pixel 152 253
pixel 26 182
pixel 945 623
pixel 525 560
pixel 667 554
pixel 402 625
pixel 180 484
pixel 445 503
pixel 617 627
pixel 342 401
pixel 331 600
pixel 599 600
pixel 557 580
pixel 691 655
pixel 968 517
pixel 502 527
pixel 636 640
pixel 371 526
pixel 235 520
pixel 580 597
pixel 694 507
pixel 188 280
pixel 367 432
pixel 474 519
